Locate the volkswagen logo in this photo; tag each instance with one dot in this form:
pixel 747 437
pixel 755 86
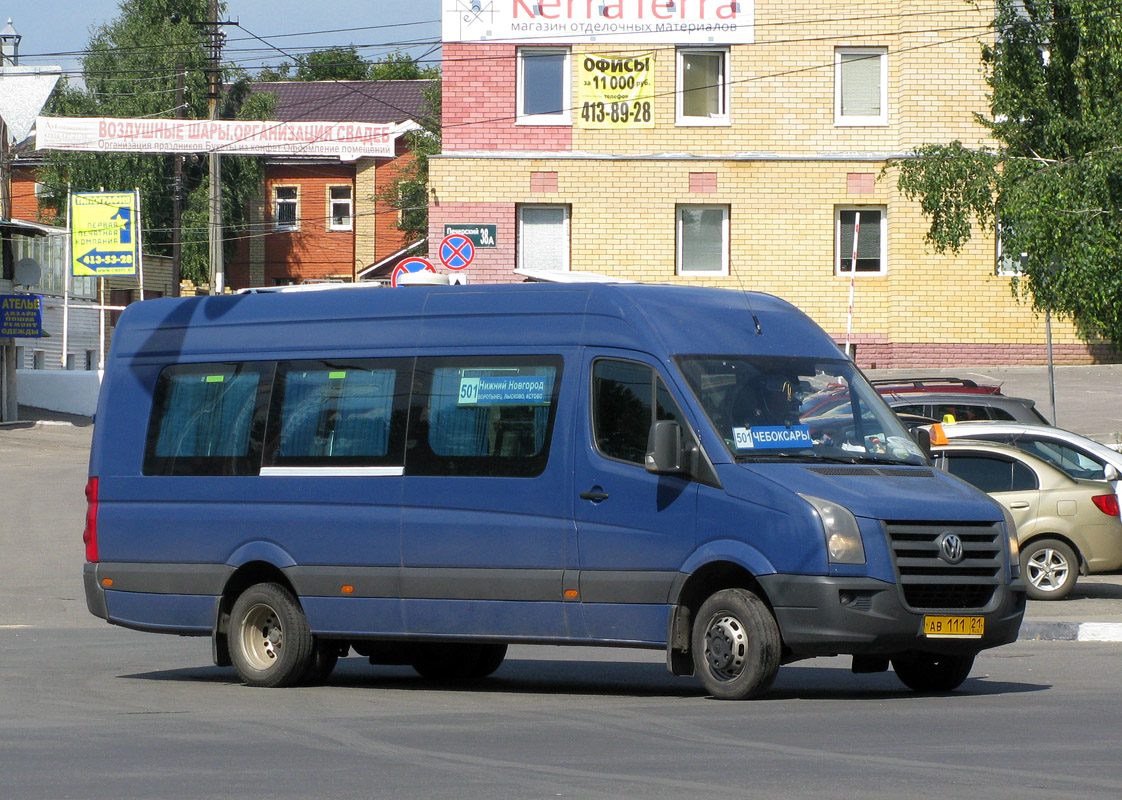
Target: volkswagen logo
pixel 950 548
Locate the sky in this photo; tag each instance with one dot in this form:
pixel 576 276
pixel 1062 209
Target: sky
pixel 56 31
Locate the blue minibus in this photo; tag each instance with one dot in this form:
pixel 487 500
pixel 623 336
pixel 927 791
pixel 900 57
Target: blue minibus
pixel 426 475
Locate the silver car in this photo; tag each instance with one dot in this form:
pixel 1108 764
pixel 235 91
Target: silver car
pixel 1065 526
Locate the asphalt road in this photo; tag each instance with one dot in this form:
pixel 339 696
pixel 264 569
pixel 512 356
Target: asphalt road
pixel 91 711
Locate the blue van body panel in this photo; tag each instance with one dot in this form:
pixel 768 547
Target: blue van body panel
pixel 480 556
pixel 260 550
pixel 184 614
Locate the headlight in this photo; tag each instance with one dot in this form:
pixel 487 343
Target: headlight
pixel 843 538
pixel 1014 545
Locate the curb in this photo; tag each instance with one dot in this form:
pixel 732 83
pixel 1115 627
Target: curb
pixel 1071 631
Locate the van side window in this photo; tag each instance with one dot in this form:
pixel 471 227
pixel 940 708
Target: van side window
pixel 482 415
pixel 622 407
pixel 338 413
pixel 208 419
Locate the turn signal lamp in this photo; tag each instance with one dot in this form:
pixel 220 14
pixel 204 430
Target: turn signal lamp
pixel 89 535
pixel 347 589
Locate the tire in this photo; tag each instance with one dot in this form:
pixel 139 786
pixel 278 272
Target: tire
pixel 453 661
pixel 1050 569
pixel 736 645
pixel 270 644
pixel 929 673
pixel 325 655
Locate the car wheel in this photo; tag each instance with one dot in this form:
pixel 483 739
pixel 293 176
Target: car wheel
pixel 1050 569
pixel 736 645
pixel 925 672
pixel 270 644
pixel 325 655
pixel 452 661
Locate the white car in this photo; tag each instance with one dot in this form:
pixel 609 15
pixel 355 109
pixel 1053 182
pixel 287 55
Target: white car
pixel 1076 455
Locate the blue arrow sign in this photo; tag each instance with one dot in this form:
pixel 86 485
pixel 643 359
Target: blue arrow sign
pixel 106 259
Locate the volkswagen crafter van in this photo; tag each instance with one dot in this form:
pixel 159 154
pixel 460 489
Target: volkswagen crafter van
pixel 426 475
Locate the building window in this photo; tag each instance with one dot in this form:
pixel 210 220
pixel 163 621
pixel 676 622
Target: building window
pixel 870 240
pixel 703 240
pixel 341 208
pixel 543 86
pixel 91 360
pixel 543 237
pixel 860 86
pixel 1009 265
pixel 286 200
pixel 38 359
pixel 703 86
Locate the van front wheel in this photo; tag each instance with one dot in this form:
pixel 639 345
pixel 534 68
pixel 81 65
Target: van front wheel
pixel 736 645
pixel 270 643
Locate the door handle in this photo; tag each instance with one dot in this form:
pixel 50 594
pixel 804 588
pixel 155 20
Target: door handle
pixel 1019 505
pixel 596 494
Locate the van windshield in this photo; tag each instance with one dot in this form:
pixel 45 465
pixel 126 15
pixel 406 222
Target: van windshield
pixel 772 408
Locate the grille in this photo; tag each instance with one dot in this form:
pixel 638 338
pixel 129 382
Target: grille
pixel 930 582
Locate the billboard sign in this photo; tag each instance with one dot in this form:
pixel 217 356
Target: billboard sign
pixel 344 140
pixel 103 233
pixel 611 21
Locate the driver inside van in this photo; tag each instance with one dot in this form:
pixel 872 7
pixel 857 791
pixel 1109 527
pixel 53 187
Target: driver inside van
pixel 768 399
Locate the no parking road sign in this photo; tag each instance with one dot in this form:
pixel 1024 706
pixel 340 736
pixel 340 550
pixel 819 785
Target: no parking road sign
pixel 410 265
pixel 456 251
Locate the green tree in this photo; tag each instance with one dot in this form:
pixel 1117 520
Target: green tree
pixel 130 70
pixel 345 64
pixel 409 193
pixel 1051 185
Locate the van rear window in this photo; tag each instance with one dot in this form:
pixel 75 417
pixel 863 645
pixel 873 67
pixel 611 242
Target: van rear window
pixel 338 413
pixel 206 420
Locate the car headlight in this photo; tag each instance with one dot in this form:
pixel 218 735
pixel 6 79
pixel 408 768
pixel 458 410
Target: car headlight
pixel 843 537
pixel 1014 544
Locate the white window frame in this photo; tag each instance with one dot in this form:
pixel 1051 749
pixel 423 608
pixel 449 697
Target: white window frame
pixel 1006 266
pixel 680 239
pixel 722 118
pixel 348 225
pixel 295 224
pixel 564 117
pixel 882 229
pixel 841 119
pixel 567 212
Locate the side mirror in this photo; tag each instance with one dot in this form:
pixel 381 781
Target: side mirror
pixel 665 452
pixel 923 439
pixel 1110 473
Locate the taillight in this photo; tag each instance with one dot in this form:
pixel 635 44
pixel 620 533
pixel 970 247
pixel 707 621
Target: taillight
pixel 89 536
pixel 1107 503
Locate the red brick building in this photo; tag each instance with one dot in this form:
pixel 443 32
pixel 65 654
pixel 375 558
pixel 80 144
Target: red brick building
pixel 319 218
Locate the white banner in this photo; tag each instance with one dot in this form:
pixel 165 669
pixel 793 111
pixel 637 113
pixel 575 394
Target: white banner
pixel 617 21
pixel 344 140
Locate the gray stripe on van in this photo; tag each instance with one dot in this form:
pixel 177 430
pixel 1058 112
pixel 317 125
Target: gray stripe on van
pixel 413 583
pixel 208 579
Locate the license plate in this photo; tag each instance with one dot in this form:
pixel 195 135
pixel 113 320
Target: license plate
pixel 954 627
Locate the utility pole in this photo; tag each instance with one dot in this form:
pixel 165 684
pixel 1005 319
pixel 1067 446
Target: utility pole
pixel 217 273
pixel 177 192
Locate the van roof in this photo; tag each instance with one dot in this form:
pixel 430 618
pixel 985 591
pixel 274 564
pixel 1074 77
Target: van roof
pixel 654 318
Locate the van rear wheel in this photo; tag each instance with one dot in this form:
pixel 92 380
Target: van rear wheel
pixel 736 645
pixel 456 661
pixel 270 643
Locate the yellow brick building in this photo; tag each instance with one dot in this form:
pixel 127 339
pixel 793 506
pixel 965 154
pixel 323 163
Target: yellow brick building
pixel 763 132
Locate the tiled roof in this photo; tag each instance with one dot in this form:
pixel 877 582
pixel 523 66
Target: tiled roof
pixel 346 101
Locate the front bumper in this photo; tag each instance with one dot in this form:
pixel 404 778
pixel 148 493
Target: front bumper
pixel 826 616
